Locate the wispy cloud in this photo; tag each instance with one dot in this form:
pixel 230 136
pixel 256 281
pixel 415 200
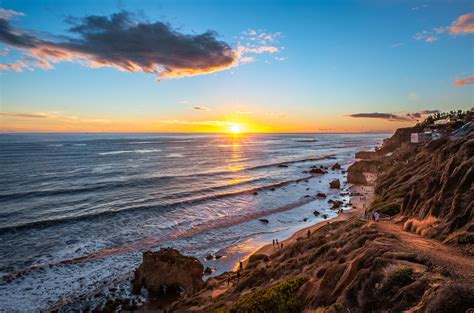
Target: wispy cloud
pixel 393 117
pixel 24 115
pixel 461 26
pixel 205 123
pixel 126 43
pixel 397 45
pixel 464 81
pixel 201 109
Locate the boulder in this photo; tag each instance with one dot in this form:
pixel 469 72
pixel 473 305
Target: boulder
pixel 315 171
pixel 335 184
pixel 168 267
pixel 316 213
pixel 337 204
pixel 336 166
pixel 320 195
pixel 264 220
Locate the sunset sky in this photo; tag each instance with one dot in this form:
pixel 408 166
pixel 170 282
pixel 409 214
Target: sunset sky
pixel 206 66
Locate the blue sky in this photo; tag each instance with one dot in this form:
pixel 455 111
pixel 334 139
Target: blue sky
pixel 334 58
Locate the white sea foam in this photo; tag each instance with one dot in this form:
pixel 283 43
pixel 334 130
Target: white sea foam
pixel 175 155
pixel 129 151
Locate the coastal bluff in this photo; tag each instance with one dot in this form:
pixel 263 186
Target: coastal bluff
pixel 419 258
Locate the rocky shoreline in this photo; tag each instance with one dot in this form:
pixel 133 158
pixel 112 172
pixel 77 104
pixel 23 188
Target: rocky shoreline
pixel 418 259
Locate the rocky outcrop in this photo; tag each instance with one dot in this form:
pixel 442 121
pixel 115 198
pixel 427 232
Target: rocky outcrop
pixel 356 172
pixel 315 171
pixel 335 184
pixel 170 268
pixel 336 166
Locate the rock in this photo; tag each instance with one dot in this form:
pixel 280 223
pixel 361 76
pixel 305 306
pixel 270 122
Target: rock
pixel 307 196
pixel 335 184
pixel 316 213
pixel 219 256
pixel 207 271
pixel 325 216
pixel 264 220
pixel 321 195
pixel 282 165
pixel 209 257
pixel 337 204
pixel 315 171
pixel 168 267
pixel 255 193
pixel 305 219
pixel 307 188
pixel 336 166
pixel 272 189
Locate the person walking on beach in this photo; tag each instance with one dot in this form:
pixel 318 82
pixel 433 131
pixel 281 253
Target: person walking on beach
pixel 274 242
pixel 281 245
pixel 308 233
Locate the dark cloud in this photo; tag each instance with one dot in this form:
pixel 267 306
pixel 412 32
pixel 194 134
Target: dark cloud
pixel 429 112
pixel 200 108
pixel 394 117
pixel 383 116
pixel 120 41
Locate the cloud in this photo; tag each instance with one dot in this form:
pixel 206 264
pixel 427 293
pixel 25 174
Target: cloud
pixel 408 117
pixel 206 123
pixel 464 81
pixel 201 108
pixel 426 36
pixel 397 45
pixel 123 42
pixel 383 116
pixel 463 25
pixel 24 115
pixel 8 14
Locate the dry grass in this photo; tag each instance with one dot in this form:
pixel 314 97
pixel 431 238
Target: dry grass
pixel 426 227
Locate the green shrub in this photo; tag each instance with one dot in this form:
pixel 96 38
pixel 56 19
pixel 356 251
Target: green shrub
pixel 465 238
pixel 279 298
pixel 318 252
pixel 397 279
pixel 257 257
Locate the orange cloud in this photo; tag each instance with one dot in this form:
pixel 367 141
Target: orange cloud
pixel 464 81
pixel 463 25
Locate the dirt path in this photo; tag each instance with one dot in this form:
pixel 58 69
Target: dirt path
pixel 448 257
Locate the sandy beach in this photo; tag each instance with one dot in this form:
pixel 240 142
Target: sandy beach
pixel 360 198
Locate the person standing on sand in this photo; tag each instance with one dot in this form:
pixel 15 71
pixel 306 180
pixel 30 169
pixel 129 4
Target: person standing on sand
pixel 274 242
pixel 281 245
pixel 308 233
pixel 241 265
pixel 376 216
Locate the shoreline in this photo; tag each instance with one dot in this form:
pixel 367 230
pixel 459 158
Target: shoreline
pixel 363 195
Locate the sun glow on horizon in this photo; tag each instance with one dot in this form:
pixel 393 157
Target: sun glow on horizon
pixel 235 129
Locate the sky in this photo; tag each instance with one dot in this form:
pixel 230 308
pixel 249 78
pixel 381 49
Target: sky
pixel 220 66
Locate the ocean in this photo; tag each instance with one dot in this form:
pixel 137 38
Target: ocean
pixel 78 210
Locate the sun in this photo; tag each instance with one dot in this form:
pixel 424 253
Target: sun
pixel 235 129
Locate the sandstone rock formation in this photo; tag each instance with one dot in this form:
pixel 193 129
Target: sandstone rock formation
pixel 170 268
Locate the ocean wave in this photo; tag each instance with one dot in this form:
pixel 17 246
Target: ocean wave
pixel 129 151
pixel 192 201
pixel 150 243
pixel 175 155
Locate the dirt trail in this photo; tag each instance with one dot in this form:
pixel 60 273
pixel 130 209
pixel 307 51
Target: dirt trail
pixel 448 257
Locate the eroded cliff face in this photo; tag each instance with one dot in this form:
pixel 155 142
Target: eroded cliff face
pixel 434 180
